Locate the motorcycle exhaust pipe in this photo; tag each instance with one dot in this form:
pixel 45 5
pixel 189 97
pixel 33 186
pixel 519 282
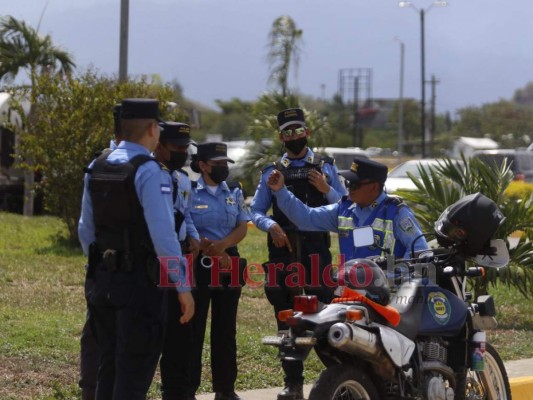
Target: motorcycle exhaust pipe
pixel 354 340
pixel 364 344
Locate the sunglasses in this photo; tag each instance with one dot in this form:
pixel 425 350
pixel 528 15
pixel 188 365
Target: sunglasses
pixel 356 185
pixel 293 132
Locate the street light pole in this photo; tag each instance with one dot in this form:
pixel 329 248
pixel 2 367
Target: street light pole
pixel 422 13
pixel 400 107
pixel 423 81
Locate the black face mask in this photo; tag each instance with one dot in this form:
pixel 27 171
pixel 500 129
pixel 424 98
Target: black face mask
pixel 218 173
pixel 176 161
pixel 296 146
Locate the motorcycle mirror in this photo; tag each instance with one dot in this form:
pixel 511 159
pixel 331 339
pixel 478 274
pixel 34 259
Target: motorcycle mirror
pixel 498 258
pixel 363 236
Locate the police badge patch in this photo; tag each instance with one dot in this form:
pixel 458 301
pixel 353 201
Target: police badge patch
pixel 407 225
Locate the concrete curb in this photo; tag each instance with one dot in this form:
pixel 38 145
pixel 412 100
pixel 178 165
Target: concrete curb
pixel 520 374
pixel 522 388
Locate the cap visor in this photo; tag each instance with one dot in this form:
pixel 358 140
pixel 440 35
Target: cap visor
pixel 349 175
pixel 178 142
pixel 286 124
pixel 222 159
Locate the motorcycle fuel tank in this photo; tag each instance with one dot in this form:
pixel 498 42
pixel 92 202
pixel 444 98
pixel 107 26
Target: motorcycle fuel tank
pixel 443 313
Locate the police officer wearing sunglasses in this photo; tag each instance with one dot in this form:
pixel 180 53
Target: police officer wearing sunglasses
pixel 315 182
pixel 394 224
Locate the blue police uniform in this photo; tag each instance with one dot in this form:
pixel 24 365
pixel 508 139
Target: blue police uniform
pixel 89 353
pixel 175 358
pixel 306 245
pixel 262 200
pixel 215 215
pixel 182 204
pixel 394 224
pixel 128 309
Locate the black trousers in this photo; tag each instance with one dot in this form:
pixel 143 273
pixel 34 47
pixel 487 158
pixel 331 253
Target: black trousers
pixel 89 353
pixel 224 301
pixel 311 251
pixel 129 314
pixel 175 359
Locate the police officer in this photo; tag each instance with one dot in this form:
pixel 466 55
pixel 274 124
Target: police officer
pixel 126 223
pixel 220 215
pixel 171 151
pixel 89 354
pixel 315 182
pixel 393 222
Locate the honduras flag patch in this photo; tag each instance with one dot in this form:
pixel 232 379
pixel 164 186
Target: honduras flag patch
pixel 165 189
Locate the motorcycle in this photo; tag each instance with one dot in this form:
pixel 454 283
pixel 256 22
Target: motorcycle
pixel 423 340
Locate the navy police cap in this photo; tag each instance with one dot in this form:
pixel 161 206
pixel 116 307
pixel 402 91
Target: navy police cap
pixel 213 151
pixel 291 116
pixel 140 109
pixel 365 169
pixel 175 132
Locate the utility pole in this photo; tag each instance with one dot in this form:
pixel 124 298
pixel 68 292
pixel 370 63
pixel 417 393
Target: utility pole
pixel 124 27
pixel 423 64
pixel 433 125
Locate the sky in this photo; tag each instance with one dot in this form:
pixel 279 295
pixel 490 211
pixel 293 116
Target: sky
pixel 480 51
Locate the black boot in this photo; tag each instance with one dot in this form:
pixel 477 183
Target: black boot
pixel 227 396
pixel 292 391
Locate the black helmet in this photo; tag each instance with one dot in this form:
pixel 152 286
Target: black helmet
pixel 366 277
pixel 469 223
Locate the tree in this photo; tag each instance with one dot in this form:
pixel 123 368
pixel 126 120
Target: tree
pixel 73 121
pixel 444 185
pixel 504 121
pixel 22 48
pixel 285 38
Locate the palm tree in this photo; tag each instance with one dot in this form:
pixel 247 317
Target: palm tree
pixel 22 48
pixel 443 185
pixel 284 50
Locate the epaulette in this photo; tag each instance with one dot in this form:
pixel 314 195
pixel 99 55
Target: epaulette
pixel 328 160
pixel 183 172
pixel 270 165
pixel 97 155
pixel 393 199
pixel 234 185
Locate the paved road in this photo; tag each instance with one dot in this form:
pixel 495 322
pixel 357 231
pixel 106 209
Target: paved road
pixel 520 372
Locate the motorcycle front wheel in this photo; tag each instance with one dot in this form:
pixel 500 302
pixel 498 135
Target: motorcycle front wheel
pixel 491 383
pixel 343 382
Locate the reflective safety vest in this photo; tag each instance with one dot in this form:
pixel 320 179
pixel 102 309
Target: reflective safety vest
pixel 382 222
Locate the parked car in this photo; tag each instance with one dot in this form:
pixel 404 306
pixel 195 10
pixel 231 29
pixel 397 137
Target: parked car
pixel 343 155
pixel 520 161
pixel 398 179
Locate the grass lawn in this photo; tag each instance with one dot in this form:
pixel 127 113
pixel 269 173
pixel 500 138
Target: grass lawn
pixel 42 310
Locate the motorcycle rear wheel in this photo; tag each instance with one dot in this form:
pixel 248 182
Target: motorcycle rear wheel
pixel 490 384
pixel 343 382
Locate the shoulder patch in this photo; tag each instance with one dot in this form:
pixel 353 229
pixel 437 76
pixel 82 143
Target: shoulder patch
pixel 165 189
pixel 407 225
